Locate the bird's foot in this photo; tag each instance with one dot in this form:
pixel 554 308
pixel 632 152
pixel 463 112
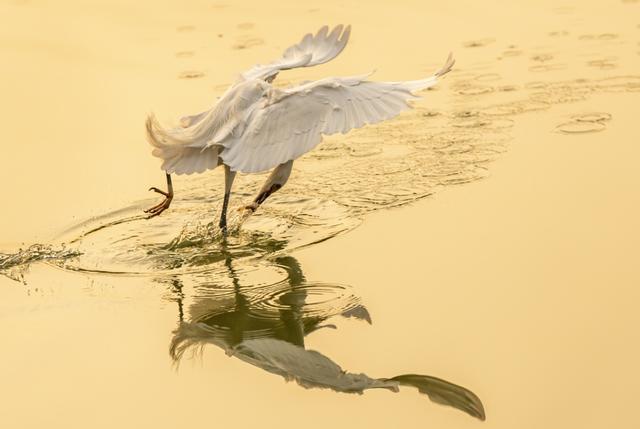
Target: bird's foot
pixel 159 208
pixel 251 207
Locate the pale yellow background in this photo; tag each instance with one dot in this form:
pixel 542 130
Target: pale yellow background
pixel 522 287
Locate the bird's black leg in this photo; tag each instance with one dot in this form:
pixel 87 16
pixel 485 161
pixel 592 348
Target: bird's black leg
pixel 262 197
pixel 159 208
pixel 223 215
pixel 228 182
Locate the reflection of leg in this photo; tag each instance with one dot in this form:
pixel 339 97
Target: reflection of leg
pixel 228 182
pixel 176 288
pixel 276 180
pixel 159 208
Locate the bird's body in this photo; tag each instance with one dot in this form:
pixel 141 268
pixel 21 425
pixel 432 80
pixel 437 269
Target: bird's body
pixel 256 127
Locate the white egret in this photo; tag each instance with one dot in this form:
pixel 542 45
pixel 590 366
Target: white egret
pixel 255 127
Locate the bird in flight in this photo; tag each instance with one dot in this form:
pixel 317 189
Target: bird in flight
pixel 255 127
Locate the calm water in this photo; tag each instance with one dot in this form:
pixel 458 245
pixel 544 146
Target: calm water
pixel 487 239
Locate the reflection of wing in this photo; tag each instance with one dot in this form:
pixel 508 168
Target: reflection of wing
pixel 444 393
pixel 291 122
pixel 311 50
pixel 311 369
pixel 307 367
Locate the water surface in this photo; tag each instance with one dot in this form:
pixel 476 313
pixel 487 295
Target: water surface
pixel 478 252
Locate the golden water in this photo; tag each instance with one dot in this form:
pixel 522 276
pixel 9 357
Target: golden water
pixel 488 238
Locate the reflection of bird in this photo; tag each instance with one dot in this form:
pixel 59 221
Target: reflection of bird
pixel 272 337
pixel 255 127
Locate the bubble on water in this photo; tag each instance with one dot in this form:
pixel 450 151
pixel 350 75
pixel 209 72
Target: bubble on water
pixel 455 149
pixel 393 167
pixel 247 42
pixel 190 74
pixel 536 85
pixel 475 90
pixel 512 53
pixel 561 33
pixel 542 57
pixel 488 77
pixel 361 152
pixel 185 28
pixel 579 127
pixel 429 113
pixel 603 64
pixel 547 67
pixel 485 122
pixel 478 43
pixel 619 83
pixel 603 36
pixel 592 117
pixel 447 138
pixel 558 96
pixel 465 113
pixel 516 107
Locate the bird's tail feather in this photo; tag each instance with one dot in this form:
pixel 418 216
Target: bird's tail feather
pixel 177 154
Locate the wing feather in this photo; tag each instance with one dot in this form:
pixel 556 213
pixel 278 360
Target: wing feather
pixel 291 122
pixel 310 51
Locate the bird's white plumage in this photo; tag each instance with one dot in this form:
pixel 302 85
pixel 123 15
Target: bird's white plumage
pixel 310 51
pixel 255 127
pixel 292 122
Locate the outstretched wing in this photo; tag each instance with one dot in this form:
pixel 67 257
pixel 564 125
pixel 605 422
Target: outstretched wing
pixel 312 50
pixel 291 122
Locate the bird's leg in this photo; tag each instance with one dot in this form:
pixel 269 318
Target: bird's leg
pixel 276 180
pixel 228 182
pixel 159 208
pixel 262 196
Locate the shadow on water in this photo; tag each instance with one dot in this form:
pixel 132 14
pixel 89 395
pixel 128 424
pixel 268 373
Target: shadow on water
pixel 267 327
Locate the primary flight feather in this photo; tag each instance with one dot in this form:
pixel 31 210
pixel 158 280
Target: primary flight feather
pixel 256 127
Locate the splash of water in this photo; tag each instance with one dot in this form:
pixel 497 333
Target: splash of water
pixel 15 265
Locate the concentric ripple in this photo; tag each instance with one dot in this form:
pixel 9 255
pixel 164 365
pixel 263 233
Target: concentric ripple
pixel 287 309
pixel 321 300
pixel 186 239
